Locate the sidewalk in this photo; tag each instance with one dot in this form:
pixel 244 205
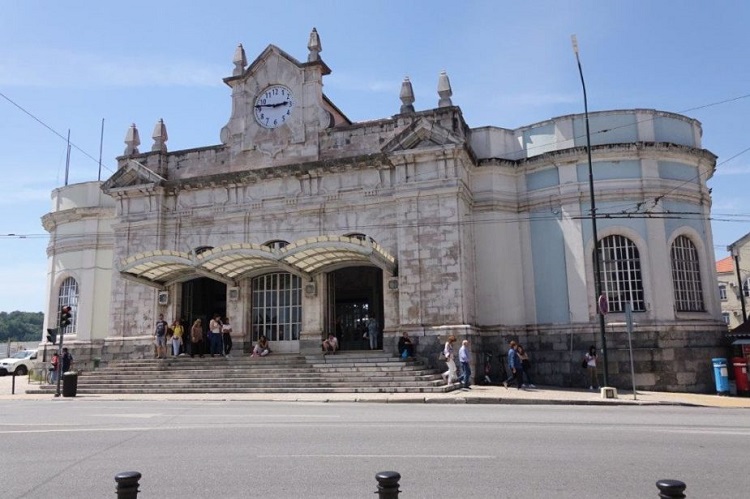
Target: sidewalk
pixel 477 395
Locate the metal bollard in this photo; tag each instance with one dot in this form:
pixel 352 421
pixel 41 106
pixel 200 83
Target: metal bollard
pixel 671 488
pixel 127 484
pixel 388 484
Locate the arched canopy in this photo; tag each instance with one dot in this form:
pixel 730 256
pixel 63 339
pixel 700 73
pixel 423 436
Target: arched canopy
pixel 231 262
pixel 317 253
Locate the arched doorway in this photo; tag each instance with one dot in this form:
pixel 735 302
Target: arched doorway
pixel 201 299
pixel 276 310
pixel 354 295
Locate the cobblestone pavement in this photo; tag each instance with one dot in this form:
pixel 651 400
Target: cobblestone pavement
pixel 477 395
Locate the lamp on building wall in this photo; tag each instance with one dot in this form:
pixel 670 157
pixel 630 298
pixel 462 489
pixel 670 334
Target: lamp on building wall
pixel 740 289
pixel 599 298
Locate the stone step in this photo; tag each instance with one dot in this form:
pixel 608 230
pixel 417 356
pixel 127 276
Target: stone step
pixel 258 371
pixel 352 372
pixel 430 379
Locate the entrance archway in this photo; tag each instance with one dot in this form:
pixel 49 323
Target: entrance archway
pixel 354 295
pixel 201 299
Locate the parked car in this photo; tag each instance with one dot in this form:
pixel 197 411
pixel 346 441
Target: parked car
pixel 19 363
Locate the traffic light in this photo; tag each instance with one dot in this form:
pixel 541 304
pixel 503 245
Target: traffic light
pixel 52 335
pixel 65 317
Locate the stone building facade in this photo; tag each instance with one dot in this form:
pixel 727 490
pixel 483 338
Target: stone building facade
pixel 734 286
pixel 303 222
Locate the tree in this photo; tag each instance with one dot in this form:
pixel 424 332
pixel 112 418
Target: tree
pixel 21 326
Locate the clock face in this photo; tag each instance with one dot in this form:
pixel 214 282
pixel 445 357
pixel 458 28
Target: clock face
pixel 273 107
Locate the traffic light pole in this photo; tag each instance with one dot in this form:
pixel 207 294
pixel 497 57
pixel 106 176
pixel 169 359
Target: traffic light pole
pixel 59 361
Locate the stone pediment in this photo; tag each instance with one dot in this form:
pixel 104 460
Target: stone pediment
pixel 270 52
pixel 423 134
pixel 133 174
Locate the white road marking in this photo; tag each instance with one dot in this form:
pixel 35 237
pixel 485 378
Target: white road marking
pixel 376 456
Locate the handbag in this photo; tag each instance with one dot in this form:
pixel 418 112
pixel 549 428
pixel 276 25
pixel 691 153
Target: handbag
pixel 441 355
pixel 584 363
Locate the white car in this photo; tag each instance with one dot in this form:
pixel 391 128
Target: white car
pixel 19 363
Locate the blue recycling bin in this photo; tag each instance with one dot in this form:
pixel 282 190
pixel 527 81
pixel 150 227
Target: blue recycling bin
pixel 721 375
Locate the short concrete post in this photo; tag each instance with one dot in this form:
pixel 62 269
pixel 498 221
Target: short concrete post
pixel 127 484
pixel 388 484
pixel 671 488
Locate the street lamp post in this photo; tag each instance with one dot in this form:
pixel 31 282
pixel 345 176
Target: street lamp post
pixel 597 256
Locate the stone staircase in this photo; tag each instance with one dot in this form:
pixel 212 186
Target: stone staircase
pixel 345 372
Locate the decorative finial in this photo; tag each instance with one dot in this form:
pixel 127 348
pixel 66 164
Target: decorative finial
pixel 132 141
pixel 444 90
pixel 160 137
pixel 314 46
pixel 407 96
pixel 239 60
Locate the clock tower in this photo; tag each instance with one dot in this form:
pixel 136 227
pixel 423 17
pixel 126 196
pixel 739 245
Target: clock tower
pixel 278 108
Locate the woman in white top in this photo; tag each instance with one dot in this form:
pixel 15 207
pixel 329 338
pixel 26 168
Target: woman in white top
pixel 591 368
pixel 450 375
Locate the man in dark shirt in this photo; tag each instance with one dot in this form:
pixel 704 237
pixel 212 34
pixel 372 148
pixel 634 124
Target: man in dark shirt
pixel 67 360
pixel 405 345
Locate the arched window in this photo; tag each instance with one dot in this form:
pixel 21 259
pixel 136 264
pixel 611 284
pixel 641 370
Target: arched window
pixel 686 276
pixel 620 273
pixel 277 306
pixel 68 297
pixel 360 236
pixel 276 244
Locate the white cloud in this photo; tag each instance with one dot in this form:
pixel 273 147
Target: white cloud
pixel 61 68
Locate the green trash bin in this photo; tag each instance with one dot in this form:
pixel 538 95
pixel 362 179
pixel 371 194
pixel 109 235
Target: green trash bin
pixel 70 384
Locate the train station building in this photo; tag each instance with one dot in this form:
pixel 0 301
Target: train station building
pixel 302 222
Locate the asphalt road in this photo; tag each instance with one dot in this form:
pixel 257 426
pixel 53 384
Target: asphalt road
pixel 70 448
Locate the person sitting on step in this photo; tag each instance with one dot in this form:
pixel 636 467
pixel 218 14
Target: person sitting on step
pixel 261 348
pixel 405 346
pixel 330 344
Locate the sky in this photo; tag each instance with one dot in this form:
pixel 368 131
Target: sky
pixel 66 66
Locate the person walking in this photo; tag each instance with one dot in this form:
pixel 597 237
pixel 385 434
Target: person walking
pixel 373 330
pixel 464 357
pixel 515 366
pixel 526 365
pixel 590 359
pixel 226 334
pixel 177 333
pixel 196 339
pixel 450 375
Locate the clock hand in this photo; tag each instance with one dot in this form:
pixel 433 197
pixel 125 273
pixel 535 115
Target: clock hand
pixel 284 103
